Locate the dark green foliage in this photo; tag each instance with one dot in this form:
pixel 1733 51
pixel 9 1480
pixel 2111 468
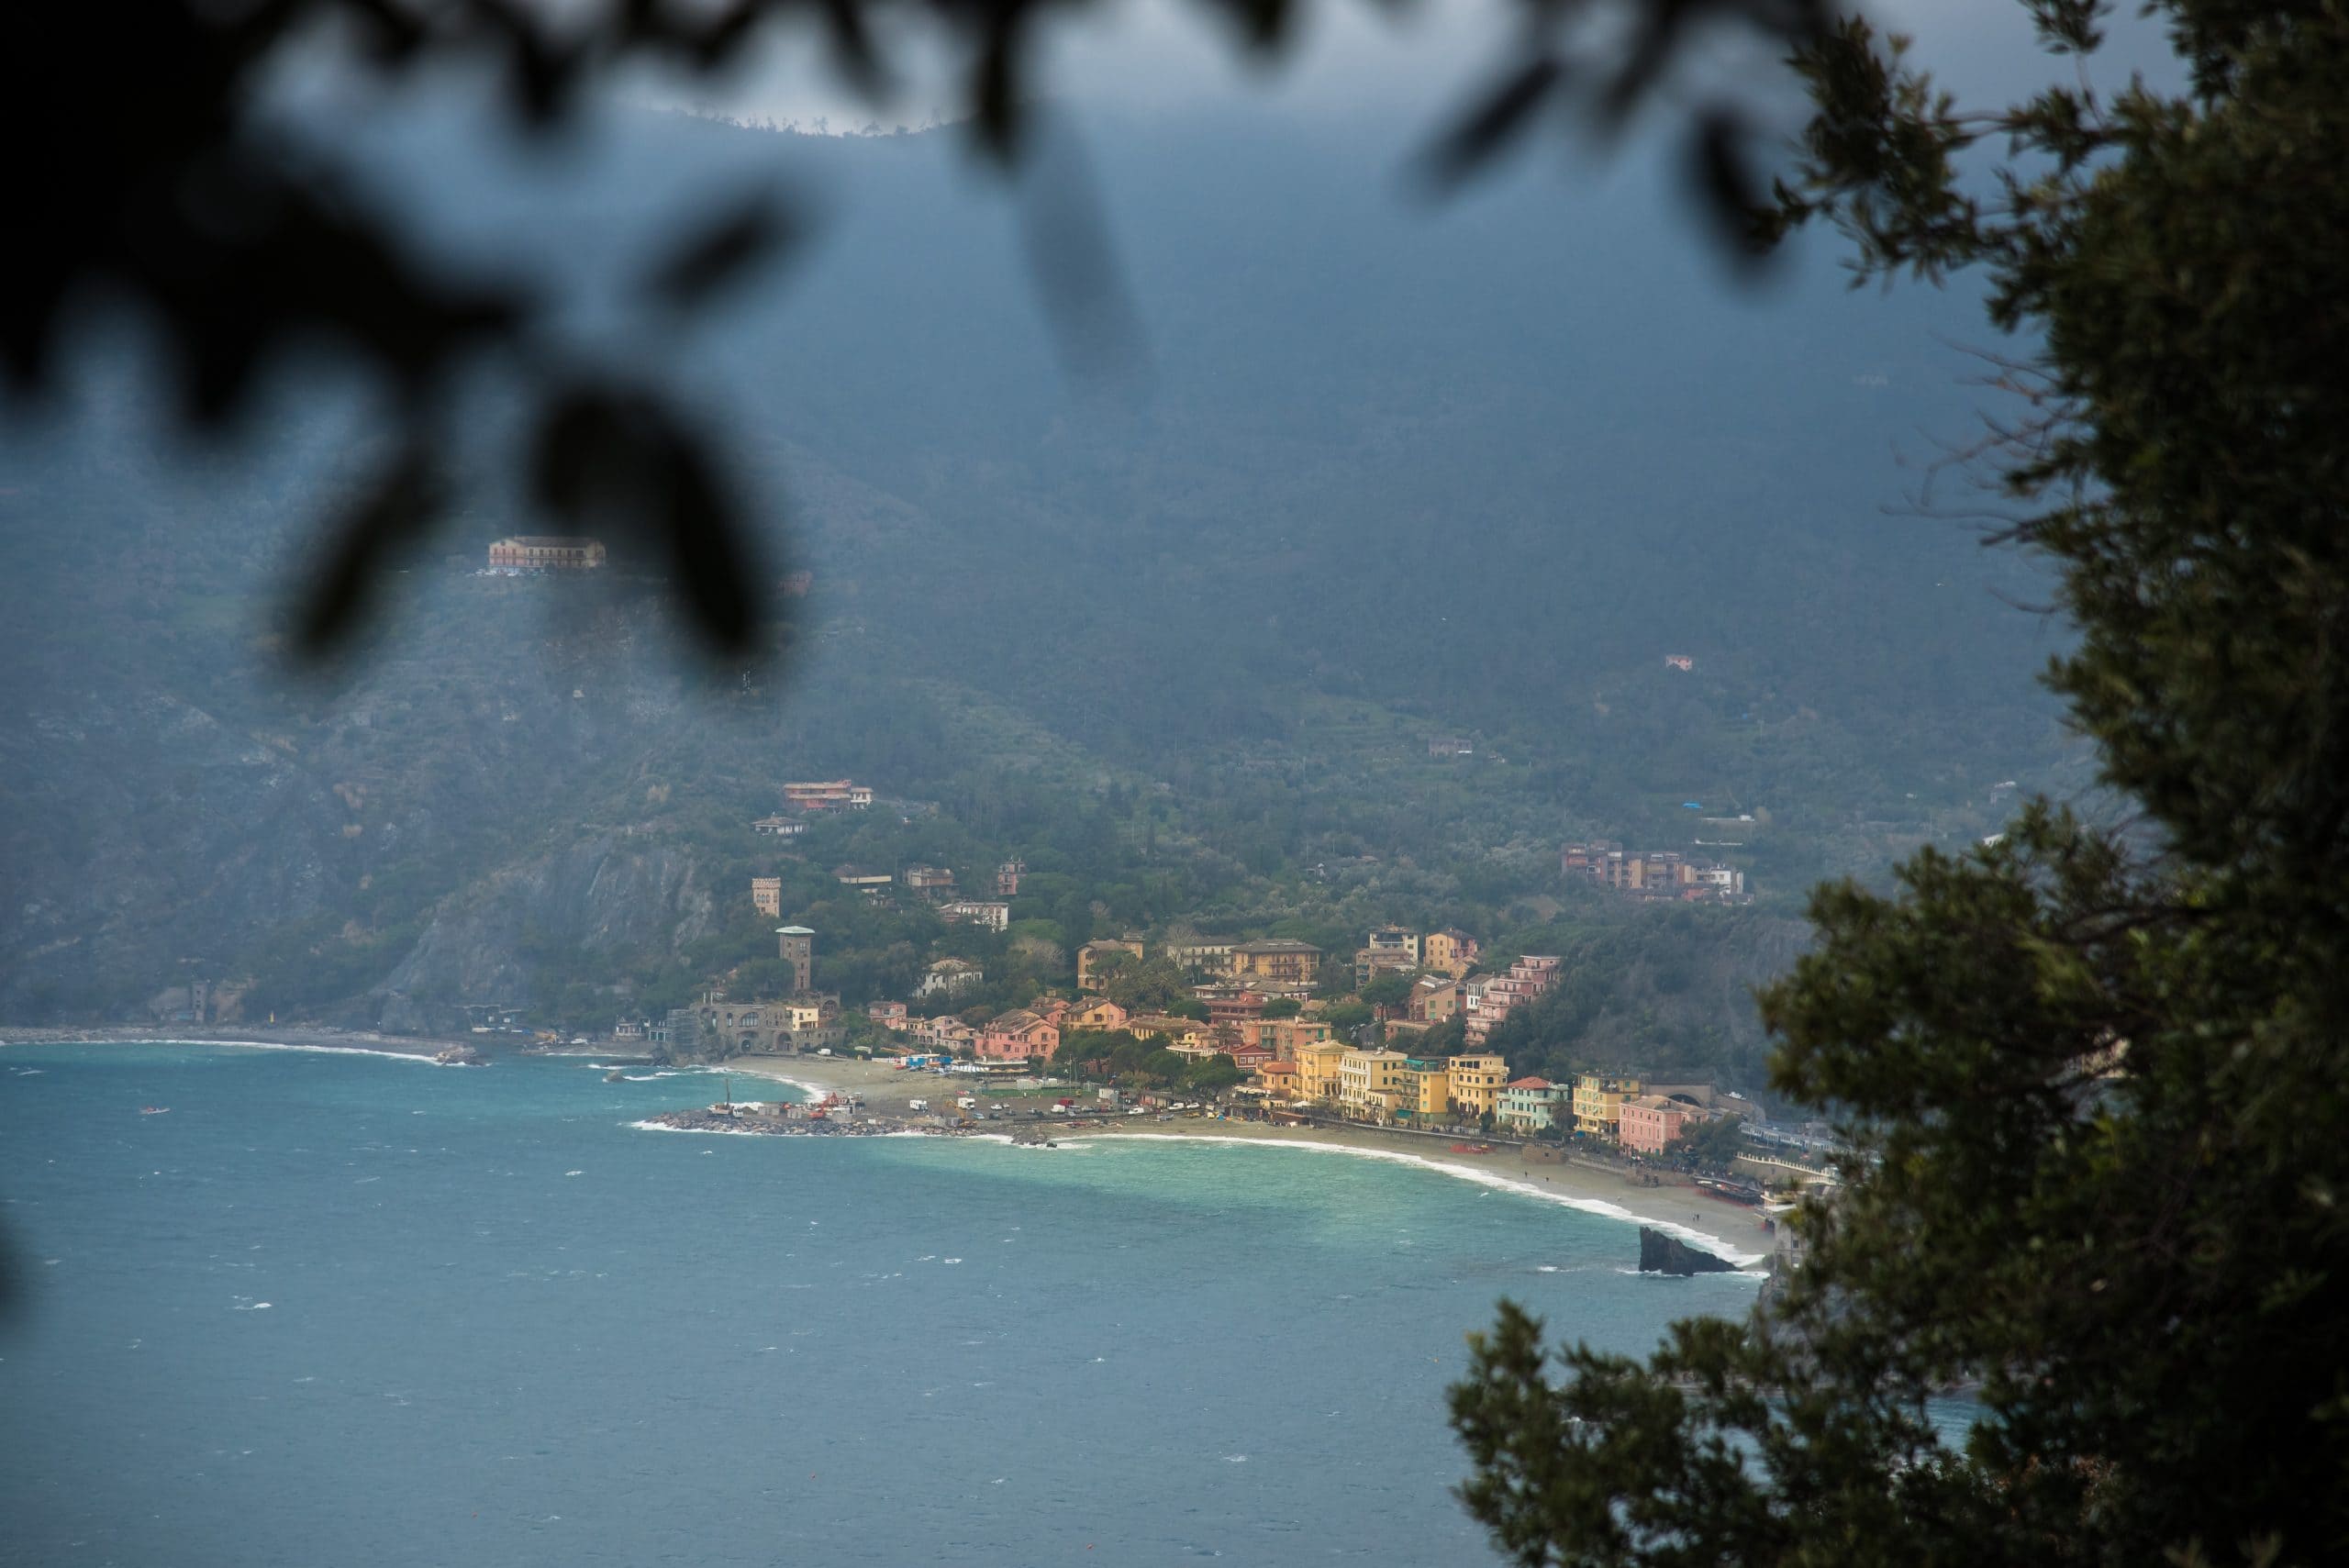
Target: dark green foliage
pixel 2092 1082
pixel 1709 1145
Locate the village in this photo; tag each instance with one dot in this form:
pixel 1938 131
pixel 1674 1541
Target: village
pixel 1395 1036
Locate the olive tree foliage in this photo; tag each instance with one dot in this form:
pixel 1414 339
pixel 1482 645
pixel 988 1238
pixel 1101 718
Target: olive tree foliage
pixel 164 179
pixel 2092 1081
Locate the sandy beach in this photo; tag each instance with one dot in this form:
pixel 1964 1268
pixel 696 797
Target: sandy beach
pixel 1727 1229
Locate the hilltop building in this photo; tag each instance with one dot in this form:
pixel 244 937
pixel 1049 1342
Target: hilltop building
pixel 992 913
pixel 1007 878
pixel 1651 874
pixel 766 895
pixel 927 879
pixel 546 553
pixel 830 795
pixel 778 827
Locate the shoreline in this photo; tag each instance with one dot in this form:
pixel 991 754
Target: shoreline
pixel 1677 1211
pixel 264 1037
pixel 1733 1233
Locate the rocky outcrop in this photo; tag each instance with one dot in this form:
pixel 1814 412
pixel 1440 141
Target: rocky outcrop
pixel 612 893
pixel 1664 1254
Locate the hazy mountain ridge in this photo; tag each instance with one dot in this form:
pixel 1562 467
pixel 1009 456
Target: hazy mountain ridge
pixel 1382 481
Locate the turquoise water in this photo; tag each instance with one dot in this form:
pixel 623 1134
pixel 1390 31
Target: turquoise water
pixel 504 1327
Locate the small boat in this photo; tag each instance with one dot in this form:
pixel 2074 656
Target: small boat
pixel 155 1110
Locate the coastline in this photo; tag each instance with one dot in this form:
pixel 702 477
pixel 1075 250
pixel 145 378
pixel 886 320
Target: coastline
pixel 1724 1231
pixel 266 1036
pixel 1702 1222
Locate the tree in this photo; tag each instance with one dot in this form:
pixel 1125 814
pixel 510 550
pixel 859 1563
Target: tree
pixel 1283 1007
pixel 2090 1079
pixel 1711 1144
pixel 1144 987
pixel 1389 990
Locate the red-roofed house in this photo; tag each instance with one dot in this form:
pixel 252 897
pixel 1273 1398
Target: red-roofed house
pixel 1526 1105
pixel 1015 1036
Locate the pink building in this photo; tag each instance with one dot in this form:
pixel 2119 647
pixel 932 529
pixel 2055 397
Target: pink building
pixel 1015 1036
pixel 1652 1121
pixel 1487 1001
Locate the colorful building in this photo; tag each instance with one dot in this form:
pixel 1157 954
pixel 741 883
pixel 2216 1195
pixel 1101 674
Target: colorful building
pixel 1375 1082
pixel 1295 963
pixel 1475 1085
pixel 1433 999
pixel 1451 950
pixel 1016 1036
pixel 1488 1001
pixel 1650 1121
pixel 1526 1105
pixel 1278 1079
pixel 1100 1013
pixel 1317 1065
pixel 1428 1091
pixel 1598 1104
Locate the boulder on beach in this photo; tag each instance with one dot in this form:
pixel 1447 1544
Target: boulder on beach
pixel 1659 1254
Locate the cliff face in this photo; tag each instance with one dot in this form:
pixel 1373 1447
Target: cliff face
pixel 139 828
pixel 611 894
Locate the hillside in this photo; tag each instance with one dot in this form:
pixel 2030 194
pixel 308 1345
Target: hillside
pixel 1180 639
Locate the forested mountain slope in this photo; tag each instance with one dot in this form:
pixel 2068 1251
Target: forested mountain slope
pixel 1178 634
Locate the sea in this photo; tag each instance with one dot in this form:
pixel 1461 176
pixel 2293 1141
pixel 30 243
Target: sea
pixel 331 1308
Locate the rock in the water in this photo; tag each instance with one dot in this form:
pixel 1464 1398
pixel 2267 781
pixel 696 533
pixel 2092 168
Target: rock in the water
pixel 1659 1254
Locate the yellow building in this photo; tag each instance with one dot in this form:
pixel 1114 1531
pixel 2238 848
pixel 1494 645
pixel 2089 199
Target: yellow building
pixel 1452 952
pixel 1090 956
pixel 766 894
pixel 1294 962
pixel 1317 1065
pixel 1429 1096
pixel 1179 1034
pixel 1598 1103
pixel 1375 1082
pixel 1285 1037
pixel 1476 1083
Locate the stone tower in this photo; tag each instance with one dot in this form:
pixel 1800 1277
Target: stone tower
pixel 798 949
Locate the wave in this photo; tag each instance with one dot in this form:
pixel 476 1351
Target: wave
pixel 1718 1246
pixel 253 1045
pixel 695 1131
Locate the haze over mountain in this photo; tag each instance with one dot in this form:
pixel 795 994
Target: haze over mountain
pixel 1178 631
